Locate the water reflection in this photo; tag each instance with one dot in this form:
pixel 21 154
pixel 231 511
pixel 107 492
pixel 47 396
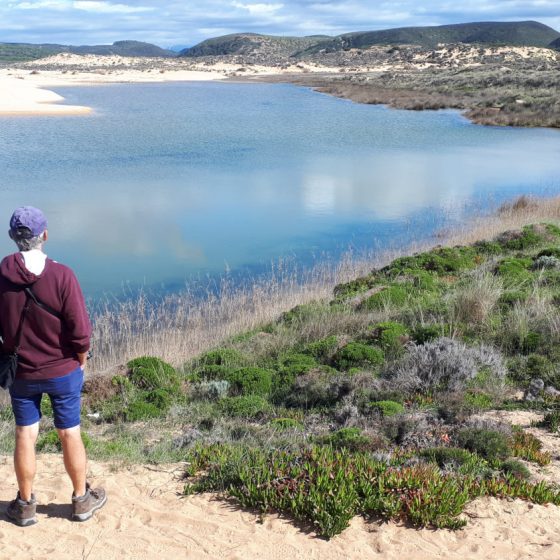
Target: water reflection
pixel 237 180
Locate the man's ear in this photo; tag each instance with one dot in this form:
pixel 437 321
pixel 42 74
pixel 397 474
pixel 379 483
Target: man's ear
pixel 45 235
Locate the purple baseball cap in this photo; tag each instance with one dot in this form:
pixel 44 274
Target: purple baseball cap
pixel 30 218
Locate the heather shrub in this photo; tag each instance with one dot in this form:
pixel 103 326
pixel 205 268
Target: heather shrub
pixel 140 410
pixel 489 444
pixel 443 365
pixel 356 354
pixel 303 313
pixel 152 373
pixel 549 252
pixel 220 357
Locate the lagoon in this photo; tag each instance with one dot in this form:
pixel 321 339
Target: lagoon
pixel 165 182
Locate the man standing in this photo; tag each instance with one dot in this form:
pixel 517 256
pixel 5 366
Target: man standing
pixel 51 329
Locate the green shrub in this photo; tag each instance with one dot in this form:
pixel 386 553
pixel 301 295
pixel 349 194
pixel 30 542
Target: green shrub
pixel 457 460
pixel 489 444
pixel 292 365
pixel 525 239
pixel 355 287
pixel 511 297
pixel 394 295
pixel 248 406
pixel 286 424
pixel 516 469
pixel 149 372
pixel 322 349
pixel 477 401
pixel 387 408
pixel 390 336
pixel 250 381
pixel 46 407
pixel 551 421
pixel 488 247
pixel 442 260
pixel 356 354
pixel 427 333
pixel 514 271
pixel 221 357
pixel 549 252
pixel 141 410
pixel 346 438
pixel 303 313
pixel 529 447
pixel 49 442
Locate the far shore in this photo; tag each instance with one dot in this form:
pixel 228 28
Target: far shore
pixel 25 90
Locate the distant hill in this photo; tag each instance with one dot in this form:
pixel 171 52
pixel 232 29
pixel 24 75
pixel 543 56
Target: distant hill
pixel 20 52
pixel 555 44
pixel 253 44
pixel 523 33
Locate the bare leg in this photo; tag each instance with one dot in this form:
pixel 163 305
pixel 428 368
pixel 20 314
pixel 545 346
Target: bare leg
pixel 74 458
pixel 24 459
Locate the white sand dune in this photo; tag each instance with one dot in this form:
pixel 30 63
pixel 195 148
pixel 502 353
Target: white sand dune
pixel 146 517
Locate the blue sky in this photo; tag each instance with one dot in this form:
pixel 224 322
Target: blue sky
pixel 186 22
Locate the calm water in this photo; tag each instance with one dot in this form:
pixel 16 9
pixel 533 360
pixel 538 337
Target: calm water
pixel 166 181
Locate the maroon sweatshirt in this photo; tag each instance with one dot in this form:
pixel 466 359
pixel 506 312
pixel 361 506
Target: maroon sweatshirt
pixel 48 346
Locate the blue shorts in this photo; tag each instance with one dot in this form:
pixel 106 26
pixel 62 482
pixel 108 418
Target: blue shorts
pixel 64 392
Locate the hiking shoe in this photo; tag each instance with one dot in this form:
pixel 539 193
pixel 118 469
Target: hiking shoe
pixel 84 506
pixel 22 513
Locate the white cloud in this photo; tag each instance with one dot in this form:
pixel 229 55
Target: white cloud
pixel 258 9
pixel 95 6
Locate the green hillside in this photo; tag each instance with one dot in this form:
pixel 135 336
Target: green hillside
pixel 22 52
pixel 523 33
pixel 253 43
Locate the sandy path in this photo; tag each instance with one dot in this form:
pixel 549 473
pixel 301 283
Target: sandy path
pixel 146 518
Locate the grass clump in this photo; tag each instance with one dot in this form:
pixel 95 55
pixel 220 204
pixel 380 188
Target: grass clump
pixel 49 442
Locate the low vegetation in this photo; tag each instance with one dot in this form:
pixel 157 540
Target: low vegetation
pixel 370 402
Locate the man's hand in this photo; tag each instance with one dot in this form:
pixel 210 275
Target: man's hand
pixel 82 358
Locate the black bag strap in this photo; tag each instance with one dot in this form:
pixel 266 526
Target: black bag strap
pixel 20 326
pixel 42 305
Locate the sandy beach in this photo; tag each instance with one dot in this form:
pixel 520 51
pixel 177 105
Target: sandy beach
pixel 147 517
pixel 25 90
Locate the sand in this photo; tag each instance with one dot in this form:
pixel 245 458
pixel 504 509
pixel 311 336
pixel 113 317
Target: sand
pixel 24 90
pixel 147 517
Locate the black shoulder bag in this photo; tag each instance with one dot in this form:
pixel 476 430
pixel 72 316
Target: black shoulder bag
pixel 8 362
